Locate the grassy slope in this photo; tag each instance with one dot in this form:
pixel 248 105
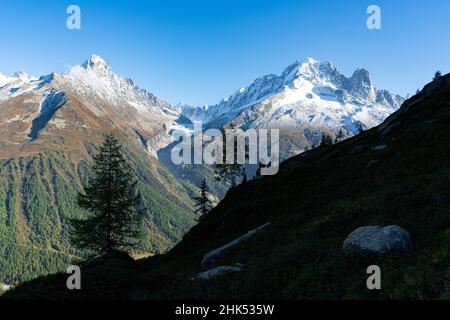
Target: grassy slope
pixel 314 202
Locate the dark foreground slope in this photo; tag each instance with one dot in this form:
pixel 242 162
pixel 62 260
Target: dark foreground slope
pixel 313 203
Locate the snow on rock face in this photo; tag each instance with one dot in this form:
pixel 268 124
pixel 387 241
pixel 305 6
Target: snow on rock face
pixel 215 272
pixel 95 77
pixel 3 79
pixel 51 103
pixel 95 61
pixel 94 87
pixel 309 97
pixel 19 83
pixel 308 94
pixel 21 75
pixel 4 287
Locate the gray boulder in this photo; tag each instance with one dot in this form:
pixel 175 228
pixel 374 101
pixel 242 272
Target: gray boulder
pixel 377 239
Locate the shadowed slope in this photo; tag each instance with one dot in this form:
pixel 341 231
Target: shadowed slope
pixel 396 173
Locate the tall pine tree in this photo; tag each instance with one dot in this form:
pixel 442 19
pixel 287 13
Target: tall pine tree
pixel 230 173
pixel 326 141
pixel 112 200
pixel 202 202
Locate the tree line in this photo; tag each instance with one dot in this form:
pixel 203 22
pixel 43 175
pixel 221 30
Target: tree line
pixel 114 207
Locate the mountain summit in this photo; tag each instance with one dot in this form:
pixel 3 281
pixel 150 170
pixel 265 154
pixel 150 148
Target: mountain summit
pixel 103 99
pixel 95 61
pixel 95 77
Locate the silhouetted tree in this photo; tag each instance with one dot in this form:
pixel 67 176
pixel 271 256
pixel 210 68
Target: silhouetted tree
pixel 202 202
pixel 339 136
pixel 326 141
pixel 262 166
pixel 112 201
pixel 231 173
pixel 437 75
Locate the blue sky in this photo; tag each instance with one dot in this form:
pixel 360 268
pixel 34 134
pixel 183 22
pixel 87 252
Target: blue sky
pixel 200 51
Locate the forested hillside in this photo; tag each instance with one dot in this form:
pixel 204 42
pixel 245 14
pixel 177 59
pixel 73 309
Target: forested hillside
pixel 37 196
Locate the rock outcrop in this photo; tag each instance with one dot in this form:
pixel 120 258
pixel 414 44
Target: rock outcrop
pixel 377 239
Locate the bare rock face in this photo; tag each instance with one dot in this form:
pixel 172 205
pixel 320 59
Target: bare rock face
pixel 377 239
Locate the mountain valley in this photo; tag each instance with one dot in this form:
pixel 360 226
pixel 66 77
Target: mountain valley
pixel 51 124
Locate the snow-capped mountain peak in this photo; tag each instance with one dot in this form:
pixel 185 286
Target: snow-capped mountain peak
pixel 308 96
pixel 96 77
pixel 18 78
pixel 22 75
pixel 95 61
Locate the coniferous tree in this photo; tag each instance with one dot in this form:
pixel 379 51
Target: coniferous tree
pixel 230 173
pixel 437 75
pixel 202 202
pixel 112 200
